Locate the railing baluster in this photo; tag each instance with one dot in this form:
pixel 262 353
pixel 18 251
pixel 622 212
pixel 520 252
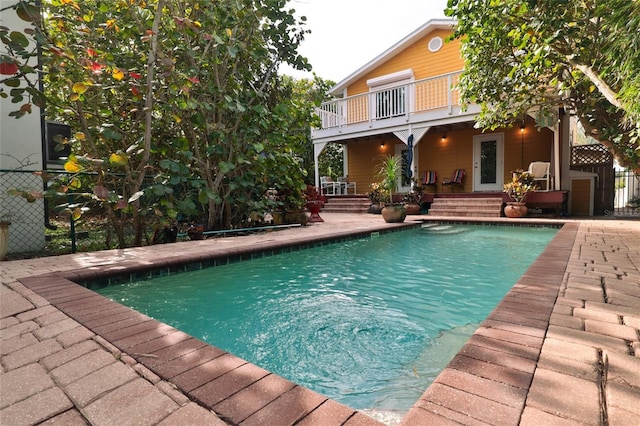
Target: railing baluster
pixel 419 96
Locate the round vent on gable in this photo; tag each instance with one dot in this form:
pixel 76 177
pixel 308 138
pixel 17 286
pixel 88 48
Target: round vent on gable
pixel 435 44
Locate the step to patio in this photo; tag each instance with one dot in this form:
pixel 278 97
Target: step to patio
pixel 466 207
pixel 346 204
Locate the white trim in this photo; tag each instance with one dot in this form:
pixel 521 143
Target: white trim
pixel 404 75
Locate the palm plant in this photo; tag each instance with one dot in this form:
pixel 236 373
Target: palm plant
pixel 389 172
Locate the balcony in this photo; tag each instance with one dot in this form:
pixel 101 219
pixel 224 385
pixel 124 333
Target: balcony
pixel 432 101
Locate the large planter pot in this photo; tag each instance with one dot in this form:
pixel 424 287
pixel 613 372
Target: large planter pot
pixel 376 208
pixel 296 216
pixel 515 210
pixel 278 218
pixel 394 213
pixel 412 208
pixel 314 208
pixel 4 239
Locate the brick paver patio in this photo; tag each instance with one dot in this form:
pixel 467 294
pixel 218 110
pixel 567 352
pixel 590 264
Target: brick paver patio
pixel 563 347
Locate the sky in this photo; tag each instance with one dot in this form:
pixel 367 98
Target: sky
pixel 346 34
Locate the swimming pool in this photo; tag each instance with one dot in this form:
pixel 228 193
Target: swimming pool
pixel 368 322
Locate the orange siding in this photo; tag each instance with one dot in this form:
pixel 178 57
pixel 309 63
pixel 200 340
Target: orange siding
pixel 456 152
pixel 417 57
pixel 580 196
pixel 537 147
pixel 365 157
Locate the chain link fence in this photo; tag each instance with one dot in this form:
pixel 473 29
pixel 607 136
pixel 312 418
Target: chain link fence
pixel 38 229
pixel 27 219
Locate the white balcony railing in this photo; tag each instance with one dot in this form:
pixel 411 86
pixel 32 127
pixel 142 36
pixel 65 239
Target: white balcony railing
pixel 415 97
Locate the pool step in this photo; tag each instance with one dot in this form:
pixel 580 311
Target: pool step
pixel 443 229
pixel 466 207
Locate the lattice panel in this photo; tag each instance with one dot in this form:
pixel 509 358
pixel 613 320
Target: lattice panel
pixel 590 155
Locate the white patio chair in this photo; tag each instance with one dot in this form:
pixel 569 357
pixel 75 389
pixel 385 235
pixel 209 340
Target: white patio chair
pixel 328 186
pixel 540 172
pixel 345 185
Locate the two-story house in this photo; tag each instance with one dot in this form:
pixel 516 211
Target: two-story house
pixel 405 102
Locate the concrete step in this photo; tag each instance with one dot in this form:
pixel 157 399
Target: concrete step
pixel 466 207
pixel 347 205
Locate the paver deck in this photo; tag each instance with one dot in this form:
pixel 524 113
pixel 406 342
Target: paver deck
pixel 563 347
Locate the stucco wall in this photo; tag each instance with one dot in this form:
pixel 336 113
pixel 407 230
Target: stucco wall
pixel 20 149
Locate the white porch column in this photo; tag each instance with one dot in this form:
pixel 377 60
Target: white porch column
pixel 317 149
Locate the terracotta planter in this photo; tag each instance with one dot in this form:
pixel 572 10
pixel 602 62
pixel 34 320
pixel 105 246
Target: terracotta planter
pixel 314 207
pixel 394 213
pixel 515 210
pixel 196 232
pixel 412 208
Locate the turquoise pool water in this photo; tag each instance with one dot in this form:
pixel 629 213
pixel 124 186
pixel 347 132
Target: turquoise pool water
pixel 368 322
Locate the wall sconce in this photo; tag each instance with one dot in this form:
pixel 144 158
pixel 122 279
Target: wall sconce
pixel 522 127
pixel 444 137
pixel 381 144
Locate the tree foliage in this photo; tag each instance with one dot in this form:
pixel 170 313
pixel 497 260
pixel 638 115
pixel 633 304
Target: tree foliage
pixel 538 55
pixel 226 98
pixel 176 105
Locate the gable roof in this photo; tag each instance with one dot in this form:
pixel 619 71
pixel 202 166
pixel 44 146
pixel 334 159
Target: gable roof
pixel 429 26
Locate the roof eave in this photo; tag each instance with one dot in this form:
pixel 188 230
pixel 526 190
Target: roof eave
pixel 433 24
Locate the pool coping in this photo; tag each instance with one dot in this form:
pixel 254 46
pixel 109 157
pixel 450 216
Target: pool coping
pixel 514 331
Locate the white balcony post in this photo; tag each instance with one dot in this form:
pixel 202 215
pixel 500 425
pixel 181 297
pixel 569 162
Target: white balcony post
pixel 450 93
pixel 407 97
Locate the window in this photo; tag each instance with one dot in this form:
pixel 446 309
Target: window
pixel 435 44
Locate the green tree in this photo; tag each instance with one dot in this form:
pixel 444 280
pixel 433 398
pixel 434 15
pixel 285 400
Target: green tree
pixel 306 96
pixel 186 92
pixel 98 73
pixel 538 55
pixel 221 86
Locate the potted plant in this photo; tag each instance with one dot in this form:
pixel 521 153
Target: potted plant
pixel 412 199
pixel 521 185
pixel 375 196
pixel 389 172
pixel 292 202
pixel 314 202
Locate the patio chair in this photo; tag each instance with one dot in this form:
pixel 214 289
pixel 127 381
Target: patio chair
pixel 456 179
pixel 540 172
pixel 345 185
pixel 430 179
pixel 328 186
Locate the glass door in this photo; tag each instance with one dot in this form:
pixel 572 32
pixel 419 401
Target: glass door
pixel 488 162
